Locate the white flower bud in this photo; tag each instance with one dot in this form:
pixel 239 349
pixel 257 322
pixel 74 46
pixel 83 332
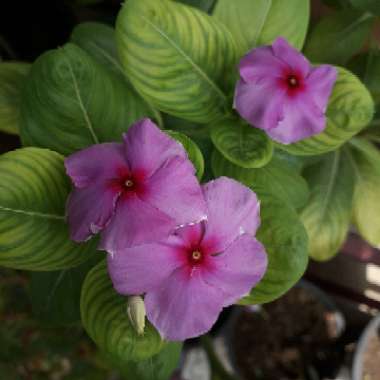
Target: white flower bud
pixel 136 313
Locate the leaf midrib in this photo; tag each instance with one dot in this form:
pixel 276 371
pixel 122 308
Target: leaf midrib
pixel 200 72
pixel 81 105
pixel 35 214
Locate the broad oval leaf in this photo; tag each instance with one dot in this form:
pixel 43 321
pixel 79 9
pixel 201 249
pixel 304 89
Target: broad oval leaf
pixel 259 22
pixel 242 144
pixel 176 56
pixel 338 37
pixel 277 178
pixel 33 231
pixel 349 110
pixel 70 101
pixel 104 317
pixel 99 41
pixel 327 215
pixel 366 215
pixel 194 153
pixel 12 78
pixel 285 241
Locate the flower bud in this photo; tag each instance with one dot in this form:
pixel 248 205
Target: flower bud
pixel 136 313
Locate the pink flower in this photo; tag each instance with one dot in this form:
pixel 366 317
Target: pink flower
pixel 201 268
pixel 281 93
pixel 136 192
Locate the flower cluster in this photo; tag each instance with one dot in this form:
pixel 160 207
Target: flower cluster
pixel 190 249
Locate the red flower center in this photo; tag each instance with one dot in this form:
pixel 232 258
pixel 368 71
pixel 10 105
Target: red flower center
pixel 195 257
pixel 293 81
pixel 127 183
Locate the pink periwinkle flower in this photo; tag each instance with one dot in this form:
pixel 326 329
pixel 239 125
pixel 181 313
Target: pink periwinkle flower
pixel 135 192
pixel 281 93
pixel 188 278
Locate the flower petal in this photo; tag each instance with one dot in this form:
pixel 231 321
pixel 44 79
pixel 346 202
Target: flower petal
pixel 139 269
pixel 320 83
pixel 238 269
pixel 175 190
pixel 184 306
pixel 147 147
pixel 96 164
pixel 89 210
pixel 302 119
pixel 233 209
pixel 262 106
pixel 261 65
pixel 134 223
pixel 291 56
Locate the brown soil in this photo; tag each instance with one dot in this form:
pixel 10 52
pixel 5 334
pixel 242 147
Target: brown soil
pixel 288 340
pixel 371 360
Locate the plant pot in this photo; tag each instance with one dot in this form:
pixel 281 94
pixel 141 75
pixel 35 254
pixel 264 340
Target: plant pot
pixel 366 364
pixel 293 337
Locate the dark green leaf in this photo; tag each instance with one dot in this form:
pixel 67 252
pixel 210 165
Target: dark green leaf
pixel 12 77
pixel 33 230
pixel 285 241
pixel 259 22
pixel 338 37
pixel 242 144
pixel 104 316
pixel 277 178
pixel 367 67
pixel 70 102
pixel 55 295
pixel 194 153
pixel 184 78
pixel 327 216
pixel 372 6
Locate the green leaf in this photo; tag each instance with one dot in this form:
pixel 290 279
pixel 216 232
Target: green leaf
pixel 367 67
pixel 176 56
pixel 104 316
pixel 365 158
pixel 204 5
pixel 259 22
pixel 99 41
pixel 12 77
pixel 337 37
pixel 350 109
pixel 55 296
pixel 242 144
pixel 33 231
pixel 372 6
pixel 158 367
pixel 327 216
pixel 194 153
pixel 277 178
pixel 285 241
pixel 70 102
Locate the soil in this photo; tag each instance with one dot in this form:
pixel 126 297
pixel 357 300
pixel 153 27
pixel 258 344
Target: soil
pixel 290 339
pixel 371 360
